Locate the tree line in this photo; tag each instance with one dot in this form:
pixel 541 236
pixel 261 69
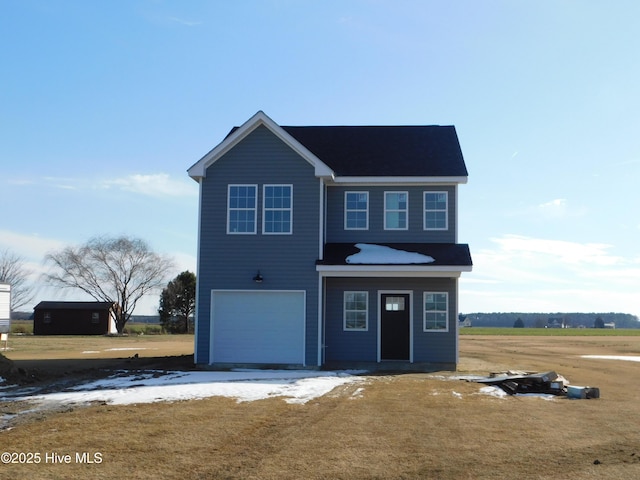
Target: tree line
pixel 542 320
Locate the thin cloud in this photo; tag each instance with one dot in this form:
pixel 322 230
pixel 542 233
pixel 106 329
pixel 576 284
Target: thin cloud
pixel 28 246
pixel 186 23
pixel 559 208
pixel 154 185
pixel 64 183
pixel 520 273
pixel 559 250
pixel 557 203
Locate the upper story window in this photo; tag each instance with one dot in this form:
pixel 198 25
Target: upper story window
pixel 241 209
pixel 436 211
pixel 436 311
pixel 396 206
pixel 356 210
pixel 278 209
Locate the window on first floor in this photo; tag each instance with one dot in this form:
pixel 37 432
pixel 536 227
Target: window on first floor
pixel 435 210
pixel 436 311
pixel 396 206
pixel 356 210
pixel 46 317
pixel 241 209
pixel 95 317
pixel 277 209
pixel 356 311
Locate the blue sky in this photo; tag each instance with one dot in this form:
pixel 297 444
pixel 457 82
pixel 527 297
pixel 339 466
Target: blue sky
pixel 104 105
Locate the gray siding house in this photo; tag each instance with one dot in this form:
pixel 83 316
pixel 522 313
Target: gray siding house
pixel 330 247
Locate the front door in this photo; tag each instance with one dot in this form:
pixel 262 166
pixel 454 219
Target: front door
pixel 394 326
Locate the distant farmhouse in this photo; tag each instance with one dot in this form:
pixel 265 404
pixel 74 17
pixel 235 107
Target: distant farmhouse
pixel 556 322
pixel 74 318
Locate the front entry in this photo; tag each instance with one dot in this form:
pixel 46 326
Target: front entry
pixel 394 326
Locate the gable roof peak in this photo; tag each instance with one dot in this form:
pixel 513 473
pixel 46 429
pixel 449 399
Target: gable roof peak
pixel 198 170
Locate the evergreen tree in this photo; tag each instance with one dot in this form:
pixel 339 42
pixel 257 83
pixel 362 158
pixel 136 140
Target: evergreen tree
pixel 178 304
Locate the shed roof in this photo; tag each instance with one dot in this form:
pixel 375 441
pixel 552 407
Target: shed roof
pixel 51 305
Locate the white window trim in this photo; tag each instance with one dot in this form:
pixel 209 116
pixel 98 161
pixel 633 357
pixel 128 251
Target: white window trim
pixel 344 312
pixel 255 209
pixel 388 210
pixel 346 227
pixel 264 208
pixel 424 313
pixel 424 210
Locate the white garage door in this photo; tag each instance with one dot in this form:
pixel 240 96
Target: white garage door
pixel 257 326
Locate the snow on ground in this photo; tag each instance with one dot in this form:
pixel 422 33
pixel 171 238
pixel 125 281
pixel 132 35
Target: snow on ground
pixel 123 349
pixel 629 358
pixel 379 254
pixel 295 386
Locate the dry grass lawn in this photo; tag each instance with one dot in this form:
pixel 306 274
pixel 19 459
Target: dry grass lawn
pixel 399 427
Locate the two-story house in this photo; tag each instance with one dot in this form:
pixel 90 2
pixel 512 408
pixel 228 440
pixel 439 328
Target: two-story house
pixel 330 246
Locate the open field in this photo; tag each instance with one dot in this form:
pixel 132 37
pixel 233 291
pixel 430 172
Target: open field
pixel 552 332
pixel 397 427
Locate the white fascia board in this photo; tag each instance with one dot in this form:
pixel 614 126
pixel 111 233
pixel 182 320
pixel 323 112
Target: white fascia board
pixel 399 180
pixel 390 271
pixel 199 169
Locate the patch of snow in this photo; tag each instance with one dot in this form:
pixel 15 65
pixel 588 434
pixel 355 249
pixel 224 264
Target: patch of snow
pixel 457 395
pixel 379 254
pixel 358 393
pixel 543 396
pixel 499 393
pixel 128 388
pixel 493 391
pixel 629 358
pixel 126 349
pixel 91 351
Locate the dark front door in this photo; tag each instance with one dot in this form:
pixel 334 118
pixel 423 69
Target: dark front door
pixel 394 326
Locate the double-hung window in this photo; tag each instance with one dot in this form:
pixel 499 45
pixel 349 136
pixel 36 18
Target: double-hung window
pixel 356 310
pixel 396 207
pixel 277 215
pixel 436 311
pixel 356 210
pixel 241 209
pixel 435 210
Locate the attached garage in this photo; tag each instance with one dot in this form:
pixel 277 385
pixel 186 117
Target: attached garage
pixel 257 327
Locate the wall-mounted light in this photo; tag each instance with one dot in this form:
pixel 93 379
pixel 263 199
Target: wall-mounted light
pixel 258 278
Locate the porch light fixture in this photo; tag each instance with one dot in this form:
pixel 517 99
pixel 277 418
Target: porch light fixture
pixel 258 278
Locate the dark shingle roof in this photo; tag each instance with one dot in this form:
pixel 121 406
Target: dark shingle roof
pixel 444 254
pixel 74 305
pixel 384 151
pixel 423 151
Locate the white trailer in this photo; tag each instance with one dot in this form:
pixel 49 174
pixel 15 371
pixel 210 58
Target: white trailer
pixel 5 307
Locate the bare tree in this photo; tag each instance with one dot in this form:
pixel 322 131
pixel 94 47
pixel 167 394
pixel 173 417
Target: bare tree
pixel 13 272
pixel 110 269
